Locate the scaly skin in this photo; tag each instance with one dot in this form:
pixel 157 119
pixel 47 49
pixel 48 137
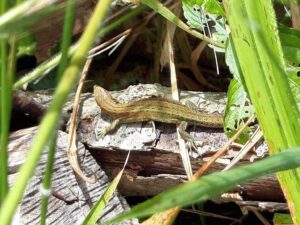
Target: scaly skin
pixel 155 109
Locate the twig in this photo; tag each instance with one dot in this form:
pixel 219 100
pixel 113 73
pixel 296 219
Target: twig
pixel 256 137
pixel 72 147
pixel 221 151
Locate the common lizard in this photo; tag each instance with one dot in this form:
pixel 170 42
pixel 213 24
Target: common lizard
pixel 153 109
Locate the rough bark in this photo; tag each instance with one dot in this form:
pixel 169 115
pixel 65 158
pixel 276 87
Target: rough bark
pixel 155 157
pixel 71 198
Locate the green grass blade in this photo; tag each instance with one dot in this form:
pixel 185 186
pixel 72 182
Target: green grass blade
pixel 211 185
pixel 51 63
pixel 5 107
pixel 258 50
pixel 46 186
pixel 166 13
pixel 67 37
pixel 98 208
pixel 53 113
pixel 66 41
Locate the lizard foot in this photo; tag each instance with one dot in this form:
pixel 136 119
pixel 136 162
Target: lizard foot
pixel 193 145
pixel 100 134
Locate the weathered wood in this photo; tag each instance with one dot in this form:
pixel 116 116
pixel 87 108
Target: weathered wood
pixel 72 198
pixel 264 206
pixel 161 170
pixel 154 155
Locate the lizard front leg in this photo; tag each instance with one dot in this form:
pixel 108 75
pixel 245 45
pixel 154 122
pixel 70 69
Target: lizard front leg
pixel 103 131
pixel 186 136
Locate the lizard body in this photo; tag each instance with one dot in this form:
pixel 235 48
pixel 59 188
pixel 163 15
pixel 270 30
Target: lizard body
pixel 155 109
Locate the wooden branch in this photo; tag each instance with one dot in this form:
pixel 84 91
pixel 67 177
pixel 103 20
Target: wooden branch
pixel 155 158
pixel 71 198
pixel 161 170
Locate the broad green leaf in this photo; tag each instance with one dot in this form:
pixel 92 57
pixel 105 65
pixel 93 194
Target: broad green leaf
pixel 192 14
pixel 290 40
pixel 98 208
pixel 214 7
pixel 294 81
pixel 166 13
pixel 232 63
pixel 210 6
pixel 211 185
pixel 238 109
pixel 258 49
pixel 199 13
pixel 238 105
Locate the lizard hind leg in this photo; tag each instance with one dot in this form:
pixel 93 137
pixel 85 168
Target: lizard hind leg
pixel 103 131
pixel 186 136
